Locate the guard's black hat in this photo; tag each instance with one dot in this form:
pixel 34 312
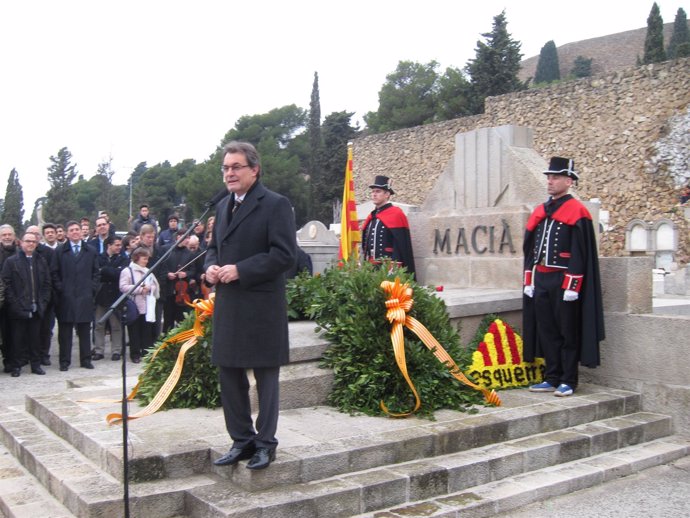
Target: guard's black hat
pixel 562 166
pixel 382 182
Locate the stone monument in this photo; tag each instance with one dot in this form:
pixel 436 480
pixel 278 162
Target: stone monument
pixel 469 231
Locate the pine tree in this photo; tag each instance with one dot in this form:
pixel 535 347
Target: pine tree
pixel 547 66
pixel 61 204
pixel 13 208
pixel 407 98
pixel 315 145
pixel 582 67
pixel 494 70
pixel 679 46
pixel 654 41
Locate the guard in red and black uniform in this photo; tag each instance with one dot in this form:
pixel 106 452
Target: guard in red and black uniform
pixel 386 232
pixel 563 318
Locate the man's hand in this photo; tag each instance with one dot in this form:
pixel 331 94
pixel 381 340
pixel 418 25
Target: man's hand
pixel 529 291
pixel 212 274
pixel 228 273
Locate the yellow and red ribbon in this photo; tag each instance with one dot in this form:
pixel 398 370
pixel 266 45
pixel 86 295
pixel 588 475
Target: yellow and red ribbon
pixel 203 310
pixel 399 303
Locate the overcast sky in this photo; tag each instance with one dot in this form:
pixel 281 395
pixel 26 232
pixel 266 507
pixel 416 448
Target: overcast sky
pixel 153 80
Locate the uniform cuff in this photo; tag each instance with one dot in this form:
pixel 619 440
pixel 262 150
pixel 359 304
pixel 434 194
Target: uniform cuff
pixel 527 278
pixel 572 282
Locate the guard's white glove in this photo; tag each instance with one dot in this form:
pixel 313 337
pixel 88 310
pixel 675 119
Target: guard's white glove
pixel 570 295
pixel 529 291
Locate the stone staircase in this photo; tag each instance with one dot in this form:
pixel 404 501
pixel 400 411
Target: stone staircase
pixel 60 459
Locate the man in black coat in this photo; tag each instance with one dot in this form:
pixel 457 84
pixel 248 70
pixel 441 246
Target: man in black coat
pixel 48 317
pixel 26 277
pixel 110 264
pixel 253 245
pixel 563 316
pixel 77 288
pixel 8 247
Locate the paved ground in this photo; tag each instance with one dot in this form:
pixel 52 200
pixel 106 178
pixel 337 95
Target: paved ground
pixel 663 491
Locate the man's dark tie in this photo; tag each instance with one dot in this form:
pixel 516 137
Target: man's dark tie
pixel 237 205
pixel 76 249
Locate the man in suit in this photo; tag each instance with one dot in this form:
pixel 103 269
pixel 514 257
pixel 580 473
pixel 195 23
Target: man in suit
pixel 252 247
pixel 79 282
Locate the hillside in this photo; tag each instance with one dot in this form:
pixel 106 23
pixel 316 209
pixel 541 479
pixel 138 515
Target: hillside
pixel 609 53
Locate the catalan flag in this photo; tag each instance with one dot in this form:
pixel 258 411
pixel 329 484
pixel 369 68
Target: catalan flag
pixel 349 226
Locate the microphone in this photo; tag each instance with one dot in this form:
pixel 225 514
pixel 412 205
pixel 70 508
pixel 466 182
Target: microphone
pixel 217 197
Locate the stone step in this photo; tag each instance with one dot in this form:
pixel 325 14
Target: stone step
pixel 80 485
pixel 171 444
pixel 368 489
pixel 82 424
pixel 66 445
pixel 508 494
pixel 419 439
pixel 21 496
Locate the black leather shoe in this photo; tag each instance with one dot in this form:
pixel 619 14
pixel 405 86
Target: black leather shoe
pixel 97 356
pixel 87 365
pixel 45 362
pixel 64 368
pixel 262 458
pixel 115 357
pixel 37 370
pixel 235 455
pixel 16 373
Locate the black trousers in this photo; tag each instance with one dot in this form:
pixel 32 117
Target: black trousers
pixel 6 340
pixel 557 329
pixel 65 331
pixel 47 325
pixel 173 313
pixel 141 336
pixel 26 341
pixel 234 394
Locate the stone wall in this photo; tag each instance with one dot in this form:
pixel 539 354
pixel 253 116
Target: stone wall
pixel 610 124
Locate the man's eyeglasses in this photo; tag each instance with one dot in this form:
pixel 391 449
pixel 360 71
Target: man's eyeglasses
pixel 234 167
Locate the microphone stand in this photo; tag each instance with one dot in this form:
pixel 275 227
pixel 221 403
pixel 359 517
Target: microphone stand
pixel 119 305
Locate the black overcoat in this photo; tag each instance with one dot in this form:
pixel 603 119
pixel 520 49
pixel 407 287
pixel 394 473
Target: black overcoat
pixel 250 324
pixel 79 282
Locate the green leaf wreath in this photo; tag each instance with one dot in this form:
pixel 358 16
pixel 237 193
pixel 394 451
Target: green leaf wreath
pixel 349 305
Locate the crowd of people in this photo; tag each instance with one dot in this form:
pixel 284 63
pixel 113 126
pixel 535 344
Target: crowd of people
pixel 73 273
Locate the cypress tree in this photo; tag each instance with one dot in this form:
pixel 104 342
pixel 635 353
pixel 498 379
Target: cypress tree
pixel 679 46
pixel 61 204
pixel 547 67
pixel 13 209
pixel 315 146
pixel 654 41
